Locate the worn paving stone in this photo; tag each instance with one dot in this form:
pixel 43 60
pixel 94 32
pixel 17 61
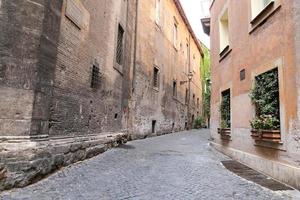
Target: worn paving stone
pixel 178 166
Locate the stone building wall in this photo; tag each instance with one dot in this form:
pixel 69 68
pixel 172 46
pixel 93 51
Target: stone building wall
pixel 29 34
pixel 50 115
pixel 257 49
pixel 155 49
pixel 77 108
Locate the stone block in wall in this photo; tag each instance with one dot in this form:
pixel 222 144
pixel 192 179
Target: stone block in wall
pixel 15 127
pixel 22 166
pixel 16 103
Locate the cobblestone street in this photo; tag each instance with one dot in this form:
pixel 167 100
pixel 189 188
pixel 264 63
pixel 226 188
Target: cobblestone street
pixel 176 166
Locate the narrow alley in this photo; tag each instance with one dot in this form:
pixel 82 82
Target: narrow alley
pixel 175 166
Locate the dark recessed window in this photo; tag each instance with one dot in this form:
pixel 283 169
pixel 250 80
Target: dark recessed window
pixel 120 45
pixel 242 74
pixel 95 77
pixel 155 77
pixel 116 115
pixel 174 88
pixel 153 126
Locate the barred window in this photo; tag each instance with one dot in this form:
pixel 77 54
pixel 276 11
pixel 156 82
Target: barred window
pixel 155 77
pixel 119 56
pixel 95 77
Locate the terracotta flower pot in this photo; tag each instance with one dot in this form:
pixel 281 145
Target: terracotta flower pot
pixel 266 135
pixel 225 133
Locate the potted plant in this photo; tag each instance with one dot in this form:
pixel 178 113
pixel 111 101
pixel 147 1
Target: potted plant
pixel 266 128
pixel 225 125
pixel 199 122
pixel 265 97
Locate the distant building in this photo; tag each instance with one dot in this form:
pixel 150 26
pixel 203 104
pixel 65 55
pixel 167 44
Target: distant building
pixel 255 84
pixel 167 88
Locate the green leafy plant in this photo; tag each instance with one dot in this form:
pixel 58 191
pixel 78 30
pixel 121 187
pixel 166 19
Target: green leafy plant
pixel 224 124
pixel 265 98
pixel 225 110
pixel 205 73
pixel 265 122
pixel 199 122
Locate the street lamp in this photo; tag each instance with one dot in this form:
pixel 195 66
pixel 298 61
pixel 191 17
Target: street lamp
pixel 190 76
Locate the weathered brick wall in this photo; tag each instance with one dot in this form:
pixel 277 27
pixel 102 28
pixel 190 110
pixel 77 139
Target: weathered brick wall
pixel 45 78
pixel 76 107
pixel 155 47
pixel 29 31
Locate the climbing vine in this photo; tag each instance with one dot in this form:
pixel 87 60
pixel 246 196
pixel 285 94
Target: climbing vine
pixel 205 73
pixel 265 98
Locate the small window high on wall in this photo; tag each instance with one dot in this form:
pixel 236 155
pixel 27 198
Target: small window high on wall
pixel 175 35
pixel 258 5
pixel 224 31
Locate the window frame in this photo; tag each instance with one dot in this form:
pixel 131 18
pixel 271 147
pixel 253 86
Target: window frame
pixel 224 50
pixel 282 98
pixel 120 45
pixel 118 66
pixel 262 17
pixel 175 34
pixel 95 76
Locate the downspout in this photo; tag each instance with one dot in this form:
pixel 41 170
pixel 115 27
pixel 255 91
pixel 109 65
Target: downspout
pixel 135 46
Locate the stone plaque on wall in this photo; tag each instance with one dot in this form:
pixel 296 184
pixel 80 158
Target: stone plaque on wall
pixel 75 12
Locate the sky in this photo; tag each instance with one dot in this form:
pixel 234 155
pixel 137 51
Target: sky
pixel 195 10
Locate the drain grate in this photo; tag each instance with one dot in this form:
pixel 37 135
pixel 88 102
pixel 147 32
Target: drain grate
pixel 254 176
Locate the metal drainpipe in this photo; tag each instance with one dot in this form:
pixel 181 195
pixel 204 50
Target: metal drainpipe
pixel 135 45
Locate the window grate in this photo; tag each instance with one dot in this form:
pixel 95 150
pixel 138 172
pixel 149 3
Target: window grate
pixel 120 45
pixel 155 77
pixel 95 77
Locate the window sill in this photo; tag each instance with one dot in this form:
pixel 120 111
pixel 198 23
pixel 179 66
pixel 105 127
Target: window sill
pixel 224 53
pixel 263 16
pixel 155 89
pixel 119 68
pixel 158 26
pixel 268 139
pixel 225 134
pixel 176 48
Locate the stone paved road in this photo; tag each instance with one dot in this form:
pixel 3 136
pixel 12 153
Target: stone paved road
pixel 178 166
